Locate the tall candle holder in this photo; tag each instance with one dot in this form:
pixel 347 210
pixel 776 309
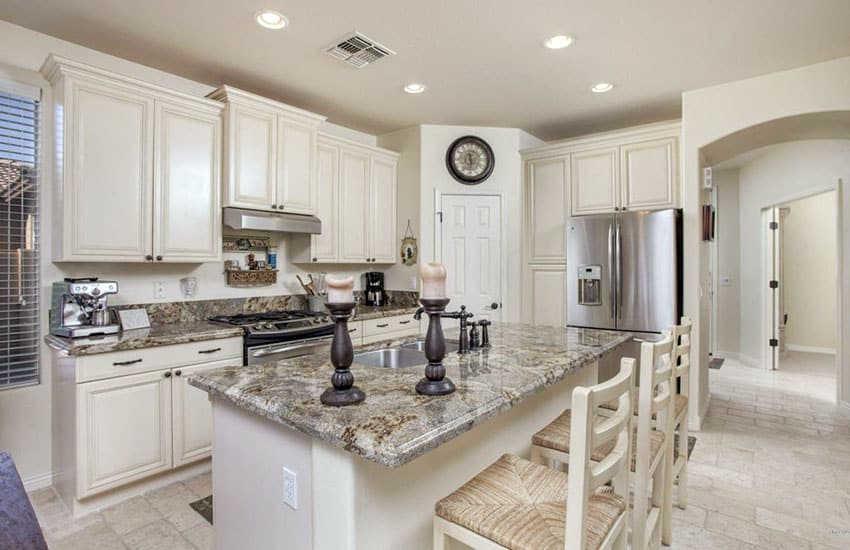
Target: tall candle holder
pixel 343 392
pixel 435 381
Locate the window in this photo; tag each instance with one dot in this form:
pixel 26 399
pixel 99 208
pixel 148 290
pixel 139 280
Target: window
pixel 19 251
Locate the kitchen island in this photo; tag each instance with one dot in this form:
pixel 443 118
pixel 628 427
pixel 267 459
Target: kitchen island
pixel 368 476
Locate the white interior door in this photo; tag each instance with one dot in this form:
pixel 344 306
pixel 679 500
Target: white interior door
pixel 472 253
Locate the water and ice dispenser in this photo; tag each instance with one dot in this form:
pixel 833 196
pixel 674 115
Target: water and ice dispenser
pixel 590 285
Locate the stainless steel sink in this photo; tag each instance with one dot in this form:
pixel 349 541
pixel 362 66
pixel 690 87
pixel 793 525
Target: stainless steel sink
pixel 391 358
pixel 419 345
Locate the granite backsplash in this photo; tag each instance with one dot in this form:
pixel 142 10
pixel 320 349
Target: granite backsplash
pixel 165 313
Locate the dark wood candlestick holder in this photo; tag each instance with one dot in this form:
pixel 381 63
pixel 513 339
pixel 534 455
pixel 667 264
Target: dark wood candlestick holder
pixel 343 392
pixel 435 381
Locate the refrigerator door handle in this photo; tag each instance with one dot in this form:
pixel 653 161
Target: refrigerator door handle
pixel 611 276
pixel 619 251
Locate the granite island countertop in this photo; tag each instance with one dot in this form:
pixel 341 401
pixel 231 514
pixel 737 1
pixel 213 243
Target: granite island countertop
pixel 394 425
pixel 156 335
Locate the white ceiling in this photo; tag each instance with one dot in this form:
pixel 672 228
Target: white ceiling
pixel 482 60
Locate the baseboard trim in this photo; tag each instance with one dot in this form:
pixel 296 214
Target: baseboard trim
pixel 810 349
pixel 40 481
pixel 733 355
pixel 749 361
pixel 695 424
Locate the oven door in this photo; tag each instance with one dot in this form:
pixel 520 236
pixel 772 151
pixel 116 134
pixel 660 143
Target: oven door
pixel 286 350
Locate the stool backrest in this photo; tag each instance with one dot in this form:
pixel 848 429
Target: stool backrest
pixel 588 434
pixel 655 395
pixel 682 355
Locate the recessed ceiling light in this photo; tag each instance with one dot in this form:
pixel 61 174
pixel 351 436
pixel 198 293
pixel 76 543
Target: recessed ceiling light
pixel 558 42
pixel 271 19
pixel 414 88
pixel 601 87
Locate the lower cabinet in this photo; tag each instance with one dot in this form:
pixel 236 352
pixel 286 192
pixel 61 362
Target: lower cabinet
pixel 383 328
pixel 546 295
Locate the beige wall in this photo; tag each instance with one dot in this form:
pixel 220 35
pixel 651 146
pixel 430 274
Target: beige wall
pixel 727 324
pixel 809 257
pixel 711 114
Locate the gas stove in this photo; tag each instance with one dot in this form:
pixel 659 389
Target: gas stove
pixel 273 335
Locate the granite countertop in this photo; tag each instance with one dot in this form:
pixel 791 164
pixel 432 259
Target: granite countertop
pixel 394 425
pixel 157 335
pixel 364 313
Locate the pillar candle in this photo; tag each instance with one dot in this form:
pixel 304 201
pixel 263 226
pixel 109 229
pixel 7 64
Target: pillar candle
pixel 340 289
pixel 433 280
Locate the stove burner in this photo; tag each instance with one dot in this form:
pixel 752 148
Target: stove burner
pixel 268 318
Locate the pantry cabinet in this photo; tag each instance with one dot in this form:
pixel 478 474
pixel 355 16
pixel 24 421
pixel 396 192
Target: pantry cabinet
pixel 138 168
pixel 269 154
pixel 357 203
pixel 546 209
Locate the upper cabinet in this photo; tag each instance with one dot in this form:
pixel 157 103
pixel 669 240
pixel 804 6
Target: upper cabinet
pixel 595 181
pixel 649 174
pixel 138 168
pixel 546 209
pixel 356 198
pixel 270 154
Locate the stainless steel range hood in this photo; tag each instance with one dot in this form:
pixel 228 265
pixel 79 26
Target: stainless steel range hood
pixel 238 218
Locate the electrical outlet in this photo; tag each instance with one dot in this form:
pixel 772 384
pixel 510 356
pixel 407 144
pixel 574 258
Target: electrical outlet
pixel 290 488
pixel 159 289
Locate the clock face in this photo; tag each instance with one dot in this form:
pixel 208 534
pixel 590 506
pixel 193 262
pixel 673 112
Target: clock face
pixel 470 160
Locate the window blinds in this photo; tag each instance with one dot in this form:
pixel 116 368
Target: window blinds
pixel 19 231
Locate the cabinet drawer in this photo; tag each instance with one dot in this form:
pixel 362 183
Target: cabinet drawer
pixel 385 325
pixel 395 335
pixel 121 363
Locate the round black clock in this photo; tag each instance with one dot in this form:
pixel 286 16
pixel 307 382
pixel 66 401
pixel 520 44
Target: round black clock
pixel 470 160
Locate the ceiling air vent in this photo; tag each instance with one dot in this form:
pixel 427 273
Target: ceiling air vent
pixel 358 50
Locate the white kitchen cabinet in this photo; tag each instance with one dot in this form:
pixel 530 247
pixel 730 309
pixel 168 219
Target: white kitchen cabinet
pixel 187 210
pixel 546 189
pixel 382 210
pixel 547 300
pixel 270 153
pixel 138 169
pixel 125 430
pixel 649 174
pixel 354 210
pixel 325 246
pixel 357 203
pixel 595 181
pixel 191 414
pixel 384 328
pixel 251 158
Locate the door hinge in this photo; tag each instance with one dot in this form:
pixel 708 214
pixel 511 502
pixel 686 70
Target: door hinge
pixel 773 226
pixel 773 284
pixel 440 214
pixel 774 342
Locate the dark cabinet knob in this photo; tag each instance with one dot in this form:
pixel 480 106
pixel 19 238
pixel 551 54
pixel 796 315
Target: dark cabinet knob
pixel 168 374
pixel 159 258
pixel 280 207
pixel 178 372
pixel 315 259
pixel 274 207
pixel 149 258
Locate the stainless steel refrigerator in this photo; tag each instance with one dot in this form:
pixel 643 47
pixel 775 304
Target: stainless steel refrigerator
pixel 624 270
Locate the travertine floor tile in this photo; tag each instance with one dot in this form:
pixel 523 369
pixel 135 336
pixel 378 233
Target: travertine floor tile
pixel 159 535
pixel 202 536
pixel 130 515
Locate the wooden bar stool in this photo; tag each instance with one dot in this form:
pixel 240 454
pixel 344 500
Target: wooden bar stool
pixel 520 505
pixel 651 442
pixel 681 357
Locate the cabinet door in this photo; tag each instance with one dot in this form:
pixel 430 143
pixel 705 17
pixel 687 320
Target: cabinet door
pixel 547 300
pixel 123 430
pixel 594 181
pixel 192 414
pixel 108 173
pixel 252 158
pixel 650 174
pixel 187 210
pixel 296 183
pixel 382 211
pixel 546 203
pixel 325 247
pixel 354 206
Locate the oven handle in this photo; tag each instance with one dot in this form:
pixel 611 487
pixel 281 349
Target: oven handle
pixel 284 349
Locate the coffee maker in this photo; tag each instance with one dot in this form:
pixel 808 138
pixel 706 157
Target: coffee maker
pixel 78 308
pixel 375 295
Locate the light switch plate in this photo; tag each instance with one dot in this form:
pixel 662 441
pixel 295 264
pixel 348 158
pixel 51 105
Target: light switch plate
pixel 290 488
pixel 725 280
pixel 159 289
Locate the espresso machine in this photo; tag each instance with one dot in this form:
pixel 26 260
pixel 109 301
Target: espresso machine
pixel 78 308
pixel 375 295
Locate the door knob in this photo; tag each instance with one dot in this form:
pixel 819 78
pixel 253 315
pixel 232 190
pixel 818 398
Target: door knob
pixel 494 305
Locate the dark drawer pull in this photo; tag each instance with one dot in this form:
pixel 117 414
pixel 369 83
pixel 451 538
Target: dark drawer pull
pixel 352 329
pixel 122 363
pixel 404 322
pixel 385 325
pixel 209 350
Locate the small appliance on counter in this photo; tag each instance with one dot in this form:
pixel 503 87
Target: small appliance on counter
pixel 375 295
pixel 79 307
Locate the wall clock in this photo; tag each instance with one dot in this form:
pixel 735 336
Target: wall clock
pixel 470 160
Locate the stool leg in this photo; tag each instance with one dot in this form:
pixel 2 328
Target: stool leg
pixel 683 473
pixel 439 536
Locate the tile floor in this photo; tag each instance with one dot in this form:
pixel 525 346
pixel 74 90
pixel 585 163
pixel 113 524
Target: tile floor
pixel 770 471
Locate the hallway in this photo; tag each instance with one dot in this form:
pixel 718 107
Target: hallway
pixel 771 467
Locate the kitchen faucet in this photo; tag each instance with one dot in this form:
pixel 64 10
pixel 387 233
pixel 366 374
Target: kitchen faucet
pixel 463 316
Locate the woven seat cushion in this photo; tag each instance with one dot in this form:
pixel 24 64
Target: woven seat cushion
pixel 680 402
pixel 557 436
pixel 522 505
